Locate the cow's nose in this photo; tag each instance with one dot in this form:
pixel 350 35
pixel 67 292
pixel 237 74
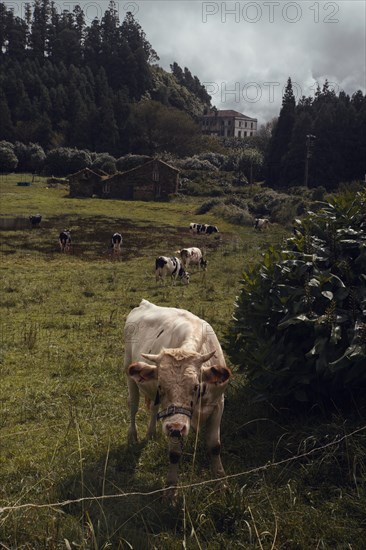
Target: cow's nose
pixel 176 430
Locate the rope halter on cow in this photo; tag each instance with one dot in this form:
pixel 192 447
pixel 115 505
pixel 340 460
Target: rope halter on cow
pixel 172 410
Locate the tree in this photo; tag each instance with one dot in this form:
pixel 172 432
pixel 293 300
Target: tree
pixel 6 127
pixel 153 129
pixel 281 137
pixel 294 159
pixel 249 163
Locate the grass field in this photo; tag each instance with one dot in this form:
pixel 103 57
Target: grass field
pixel 68 478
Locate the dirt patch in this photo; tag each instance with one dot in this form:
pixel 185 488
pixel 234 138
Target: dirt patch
pixel 91 238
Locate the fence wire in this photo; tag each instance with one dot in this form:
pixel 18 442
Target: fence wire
pixel 182 487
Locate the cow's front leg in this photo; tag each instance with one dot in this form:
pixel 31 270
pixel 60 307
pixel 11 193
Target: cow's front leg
pixel 213 441
pixel 133 401
pixel 175 454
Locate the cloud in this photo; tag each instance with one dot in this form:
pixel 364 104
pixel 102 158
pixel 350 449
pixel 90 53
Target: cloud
pixel 233 44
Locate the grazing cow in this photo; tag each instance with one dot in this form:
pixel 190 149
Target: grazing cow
pixel 261 223
pixel 116 244
pixel 65 240
pixel 186 380
pixel 203 228
pixel 192 256
pixel 170 266
pixel 35 220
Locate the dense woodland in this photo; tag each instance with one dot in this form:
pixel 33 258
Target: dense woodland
pixel 338 151
pixel 99 88
pixel 63 83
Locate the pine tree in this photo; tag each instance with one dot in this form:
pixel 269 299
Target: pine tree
pixel 6 126
pixel 281 138
pixel 294 160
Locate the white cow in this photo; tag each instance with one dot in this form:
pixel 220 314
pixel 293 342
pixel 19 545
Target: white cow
pixel 261 224
pixel 172 266
pixel 192 255
pixel 185 376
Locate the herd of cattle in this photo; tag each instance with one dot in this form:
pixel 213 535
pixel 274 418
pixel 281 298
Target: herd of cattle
pixel 165 266
pixel 174 359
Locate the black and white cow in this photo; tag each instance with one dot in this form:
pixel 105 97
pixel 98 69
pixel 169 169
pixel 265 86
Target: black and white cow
pixel 35 220
pixel 192 256
pixel 203 228
pixel 172 266
pixel 116 244
pixel 261 224
pixel 65 240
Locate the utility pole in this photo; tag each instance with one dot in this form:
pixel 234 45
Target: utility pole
pixel 309 152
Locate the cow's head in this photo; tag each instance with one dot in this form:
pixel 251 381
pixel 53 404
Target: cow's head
pixel 184 276
pixel 181 380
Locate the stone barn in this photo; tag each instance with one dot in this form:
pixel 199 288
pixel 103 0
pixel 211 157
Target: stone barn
pixel 152 181
pixel 86 182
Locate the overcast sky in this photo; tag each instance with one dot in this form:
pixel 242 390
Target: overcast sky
pixel 243 52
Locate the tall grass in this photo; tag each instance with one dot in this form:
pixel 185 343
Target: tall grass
pixel 68 478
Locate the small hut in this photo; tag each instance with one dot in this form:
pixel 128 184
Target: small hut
pixel 86 183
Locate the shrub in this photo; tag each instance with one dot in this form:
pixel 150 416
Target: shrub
pixel 216 159
pixel 234 214
pixel 78 159
pixel 105 162
pixel 8 160
pixel 6 145
pixel 127 162
pixel 299 329
pixel 208 205
pixel 194 163
pixel 318 193
pixel 281 208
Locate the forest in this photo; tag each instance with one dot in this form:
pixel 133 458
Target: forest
pixel 63 83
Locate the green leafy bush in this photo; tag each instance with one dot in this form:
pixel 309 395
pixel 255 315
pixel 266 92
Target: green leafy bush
pixel 127 162
pixel 299 329
pixel 195 163
pixel 280 207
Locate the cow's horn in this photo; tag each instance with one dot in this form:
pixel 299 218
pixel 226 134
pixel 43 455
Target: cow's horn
pixel 151 357
pixel 206 356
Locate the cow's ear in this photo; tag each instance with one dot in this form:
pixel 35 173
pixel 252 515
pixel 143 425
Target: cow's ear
pixel 215 374
pixel 142 372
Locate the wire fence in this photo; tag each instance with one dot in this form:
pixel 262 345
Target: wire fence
pixel 183 487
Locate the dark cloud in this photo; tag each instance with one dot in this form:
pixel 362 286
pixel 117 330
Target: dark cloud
pixel 245 51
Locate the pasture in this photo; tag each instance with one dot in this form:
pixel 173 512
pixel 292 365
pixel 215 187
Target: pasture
pixel 68 478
